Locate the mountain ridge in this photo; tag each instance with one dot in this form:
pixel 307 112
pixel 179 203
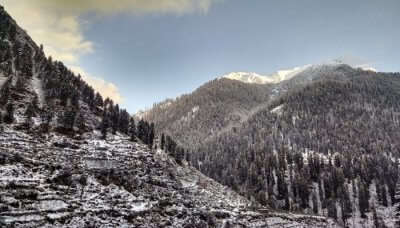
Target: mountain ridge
pixel 68 158
pixel 322 118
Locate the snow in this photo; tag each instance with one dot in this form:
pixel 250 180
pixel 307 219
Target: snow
pixel 52 205
pixel 140 206
pixel 274 78
pixel 248 77
pixel 37 87
pixel 277 110
pixel 195 109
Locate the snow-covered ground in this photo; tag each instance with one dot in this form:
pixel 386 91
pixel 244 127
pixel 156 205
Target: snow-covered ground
pixel 44 185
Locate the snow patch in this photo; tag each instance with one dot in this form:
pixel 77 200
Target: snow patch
pixel 37 87
pixel 277 110
pixel 274 78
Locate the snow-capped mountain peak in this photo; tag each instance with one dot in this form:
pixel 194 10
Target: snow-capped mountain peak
pixel 279 76
pixel 248 77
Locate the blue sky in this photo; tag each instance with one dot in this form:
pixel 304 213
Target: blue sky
pixel 145 53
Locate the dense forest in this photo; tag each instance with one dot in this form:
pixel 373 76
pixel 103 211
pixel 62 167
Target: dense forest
pixel 214 107
pixel 316 147
pixel 36 87
pixel 323 143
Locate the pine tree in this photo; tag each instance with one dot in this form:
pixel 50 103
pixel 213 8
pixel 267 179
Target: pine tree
pixel 179 155
pixel 132 129
pixel 162 141
pixel 68 120
pixel 80 122
pixel 151 135
pixel 104 126
pixel 98 100
pixel 9 117
pixel 46 118
pixel 376 219
pixel 141 131
pixel 29 113
pixel 363 198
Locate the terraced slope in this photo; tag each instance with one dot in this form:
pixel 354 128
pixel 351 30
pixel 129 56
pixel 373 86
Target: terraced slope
pixel 60 182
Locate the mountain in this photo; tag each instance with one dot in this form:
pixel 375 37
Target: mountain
pixel 277 77
pixel 225 103
pixel 324 141
pixel 213 108
pixel 69 158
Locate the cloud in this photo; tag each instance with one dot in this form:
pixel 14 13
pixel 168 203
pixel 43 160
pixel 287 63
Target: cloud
pixel 60 33
pixel 106 89
pixel 58 25
pixel 129 6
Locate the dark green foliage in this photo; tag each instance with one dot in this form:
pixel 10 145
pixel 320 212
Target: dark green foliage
pixel 46 118
pixel 150 135
pixel 145 132
pixel 9 116
pixel 104 126
pixel 30 111
pixel 210 108
pixel 162 141
pixel 346 204
pixel 68 119
pixel 132 129
pixel 363 194
pixel 63 89
pixel 348 128
pixel 80 122
pixel 172 148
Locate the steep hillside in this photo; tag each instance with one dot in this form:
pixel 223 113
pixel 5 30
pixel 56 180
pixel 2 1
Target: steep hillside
pixel 330 146
pixel 224 103
pixel 323 140
pixel 56 181
pixel 60 167
pixel 213 108
pixel 44 94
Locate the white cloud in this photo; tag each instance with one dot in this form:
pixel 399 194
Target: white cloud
pixel 61 34
pixel 130 6
pixel 106 89
pixel 56 24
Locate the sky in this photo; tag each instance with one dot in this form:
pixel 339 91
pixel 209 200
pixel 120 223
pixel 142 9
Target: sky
pixel 139 52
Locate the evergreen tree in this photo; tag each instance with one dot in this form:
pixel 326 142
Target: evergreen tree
pixel 141 131
pixel 151 135
pixel 9 117
pixel 30 111
pixel 46 118
pixel 363 198
pixel 80 122
pixel 104 126
pixel 162 141
pixel 132 130
pixel 68 119
pixel 98 100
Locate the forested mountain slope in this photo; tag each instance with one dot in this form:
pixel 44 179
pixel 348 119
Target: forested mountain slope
pixel 323 141
pixel 39 93
pixel 223 104
pixel 61 167
pixel 330 147
pixel 215 107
